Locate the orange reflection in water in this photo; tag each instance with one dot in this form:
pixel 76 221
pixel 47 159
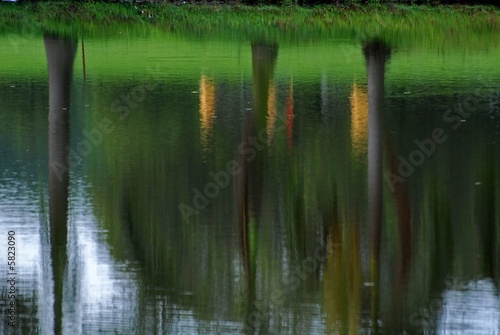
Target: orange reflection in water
pixel 207 108
pixel 359 119
pixel 271 113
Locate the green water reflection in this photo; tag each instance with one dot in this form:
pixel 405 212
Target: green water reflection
pixel 258 186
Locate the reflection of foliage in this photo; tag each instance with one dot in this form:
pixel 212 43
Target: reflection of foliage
pixel 207 108
pixel 152 160
pixel 19 114
pixel 359 120
pixel 342 279
pixel 397 24
pixel 271 113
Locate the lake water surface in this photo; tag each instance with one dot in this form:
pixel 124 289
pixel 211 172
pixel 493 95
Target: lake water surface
pixel 165 183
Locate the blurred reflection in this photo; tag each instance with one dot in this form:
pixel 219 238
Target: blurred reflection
pixel 251 240
pixel 264 57
pixel 359 120
pixel 342 277
pixel 376 54
pixel 251 157
pixel 207 109
pixel 460 310
pixel 401 197
pixel 271 113
pixel 249 183
pixel 289 116
pixel 60 56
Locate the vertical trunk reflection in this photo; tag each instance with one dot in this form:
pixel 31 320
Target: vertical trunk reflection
pixel 376 54
pixel 60 56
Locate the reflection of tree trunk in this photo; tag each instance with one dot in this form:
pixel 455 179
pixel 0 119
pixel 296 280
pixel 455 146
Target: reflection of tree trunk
pixel 60 57
pixel 251 159
pixel 264 57
pixel 402 199
pixel 376 54
pixel 249 181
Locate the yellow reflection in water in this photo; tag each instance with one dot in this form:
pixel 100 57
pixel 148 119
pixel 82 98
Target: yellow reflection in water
pixel 342 280
pixel 359 119
pixel 207 108
pixel 271 112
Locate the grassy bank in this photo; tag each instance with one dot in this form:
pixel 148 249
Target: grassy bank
pixel 392 22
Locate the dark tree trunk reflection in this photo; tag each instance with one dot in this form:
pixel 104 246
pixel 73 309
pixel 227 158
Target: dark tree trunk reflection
pixel 249 183
pixel 376 54
pixel 60 56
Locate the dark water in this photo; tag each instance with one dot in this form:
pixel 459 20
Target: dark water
pixel 171 185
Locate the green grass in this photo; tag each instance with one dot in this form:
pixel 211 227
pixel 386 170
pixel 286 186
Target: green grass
pixel 185 58
pixel 397 24
pixel 220 36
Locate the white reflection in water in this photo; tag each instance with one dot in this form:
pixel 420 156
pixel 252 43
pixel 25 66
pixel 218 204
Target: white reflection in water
pixel 473 310
pixel 19 212
pixel 100 293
